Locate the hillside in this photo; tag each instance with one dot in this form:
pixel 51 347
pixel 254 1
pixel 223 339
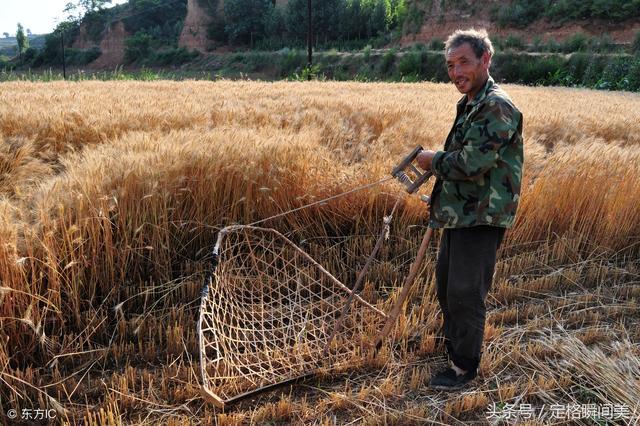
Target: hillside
pixel 172 33
pixel 428 20
pixel 206 29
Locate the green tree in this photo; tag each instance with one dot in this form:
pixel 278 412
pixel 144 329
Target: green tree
pixel 158 18
pixel 92 5
pixel 398 13
pixel 325 15
pixel 22 40
pixel 377 22
pixel 354 20
pixel 245 19
pixel 76 11
pixel 52 50
pixel 274 24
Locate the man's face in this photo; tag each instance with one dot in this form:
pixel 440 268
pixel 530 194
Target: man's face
pixel 466 71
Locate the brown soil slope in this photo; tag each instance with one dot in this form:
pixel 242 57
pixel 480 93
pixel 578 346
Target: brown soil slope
pixel 439 23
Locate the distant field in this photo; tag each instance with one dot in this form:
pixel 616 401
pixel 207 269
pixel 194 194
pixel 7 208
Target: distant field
pixel 9 46
pixel 111 194
pixel 8 42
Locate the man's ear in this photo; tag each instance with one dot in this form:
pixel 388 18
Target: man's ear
pixel 486 59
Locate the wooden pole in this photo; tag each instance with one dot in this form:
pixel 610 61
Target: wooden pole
pixel 64 66
pixel 408 282
pixel 359 280
pixel 309 39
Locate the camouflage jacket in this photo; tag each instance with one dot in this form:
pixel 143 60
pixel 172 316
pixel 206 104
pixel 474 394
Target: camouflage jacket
pixel 478 175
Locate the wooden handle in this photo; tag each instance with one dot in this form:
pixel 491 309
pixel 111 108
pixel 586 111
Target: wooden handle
pixel 408 282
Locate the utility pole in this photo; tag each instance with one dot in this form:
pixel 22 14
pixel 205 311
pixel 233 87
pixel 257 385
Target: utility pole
pixel 64 66
pixel 309 40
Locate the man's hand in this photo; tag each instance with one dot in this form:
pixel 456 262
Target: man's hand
pixel 424 159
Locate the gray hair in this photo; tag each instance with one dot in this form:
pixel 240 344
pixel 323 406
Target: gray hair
pixel 478 39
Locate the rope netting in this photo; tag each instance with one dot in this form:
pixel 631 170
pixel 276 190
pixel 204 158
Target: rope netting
pixel 268 313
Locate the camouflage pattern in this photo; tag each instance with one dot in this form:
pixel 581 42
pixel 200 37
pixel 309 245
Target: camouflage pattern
pixel 479 173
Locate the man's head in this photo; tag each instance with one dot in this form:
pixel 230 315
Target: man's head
pixel 468 55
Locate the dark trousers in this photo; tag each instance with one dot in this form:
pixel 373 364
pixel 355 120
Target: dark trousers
pixel 464 272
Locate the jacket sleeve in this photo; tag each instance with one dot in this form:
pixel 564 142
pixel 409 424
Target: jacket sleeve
pixel 491 128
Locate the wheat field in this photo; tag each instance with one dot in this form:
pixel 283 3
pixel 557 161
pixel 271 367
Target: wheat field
pixel 112 194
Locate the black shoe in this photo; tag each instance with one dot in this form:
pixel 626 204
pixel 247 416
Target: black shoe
pixel 448 380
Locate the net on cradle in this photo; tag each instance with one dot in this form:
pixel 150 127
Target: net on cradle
pixel 267 313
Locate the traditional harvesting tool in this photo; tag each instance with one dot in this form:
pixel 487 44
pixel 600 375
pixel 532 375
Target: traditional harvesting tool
pixel 400 171
pixel 270 314
pixel 409 175
pixel 412 185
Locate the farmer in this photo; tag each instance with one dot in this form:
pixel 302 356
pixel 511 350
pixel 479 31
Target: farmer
pixel 474 200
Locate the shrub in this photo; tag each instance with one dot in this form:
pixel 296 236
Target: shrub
pixel 309 73
pixel 29 55
pixel 553 45
pixel 175 56
pixel 256 61
pixel 290 61
pixel 611 10
pixel 409 64
pixel 615 74
pixel 507 66
pixel 436 44
pixel 388 59
pixel 215 31
pixel 81 57
pixel 546 70
pixel 433 67
pixel 514 42
pixel 519 13
pixel 634 74
pixel 366 52
pixel 577 65
pixel 536 44
pixel 594 70
pixel 523 68
pixel 635 45
pixel 604 44
pixel 137 47
pixel 576 43
pixel 498 42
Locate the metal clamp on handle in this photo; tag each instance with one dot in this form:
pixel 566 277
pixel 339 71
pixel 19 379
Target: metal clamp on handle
pixel 400 172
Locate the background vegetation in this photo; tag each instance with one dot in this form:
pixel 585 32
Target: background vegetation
pixel 354 39
pixel 520 13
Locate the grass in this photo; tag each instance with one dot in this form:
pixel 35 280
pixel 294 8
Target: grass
pixel 112 193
